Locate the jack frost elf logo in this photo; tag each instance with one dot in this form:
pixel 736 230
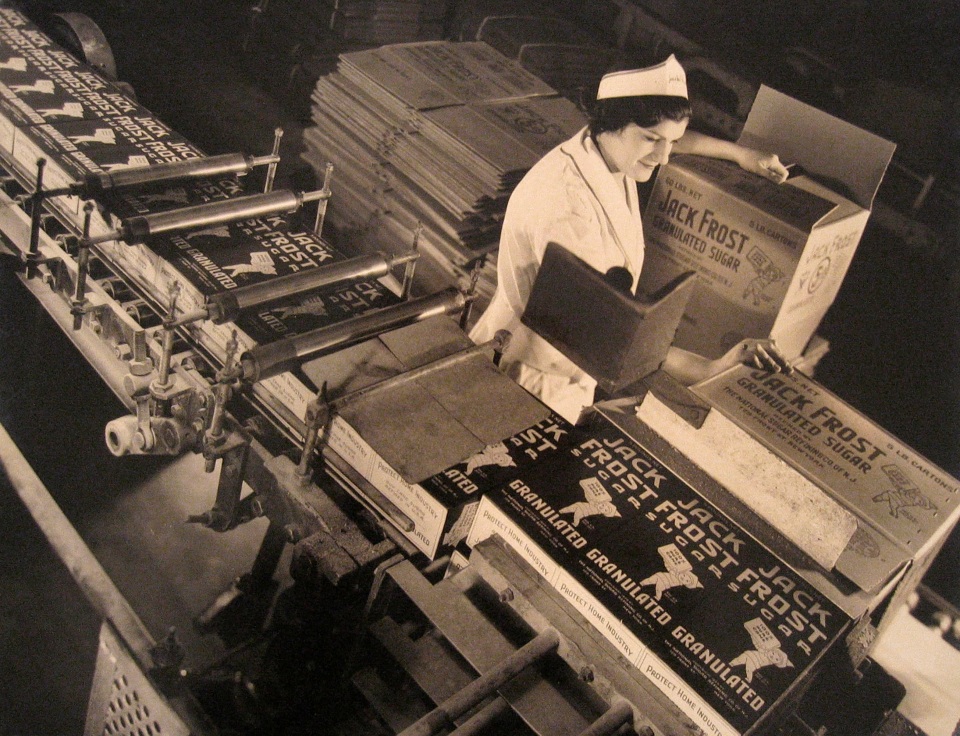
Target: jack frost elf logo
pixel 40 87
pixel 495 454
pixel 767 274
pixel 217 231
pixel 260 262
pixel 132 162
pixel 75 110
pixel 598 502
pixel 766 650
pixel 905 494
pixel 104 136
pixel 172 196
pixel 313 306
pixel 14 63
pixel 678 572
pixel 461 527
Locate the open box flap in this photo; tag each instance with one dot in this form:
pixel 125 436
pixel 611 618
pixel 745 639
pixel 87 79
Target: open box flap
pixel 824 145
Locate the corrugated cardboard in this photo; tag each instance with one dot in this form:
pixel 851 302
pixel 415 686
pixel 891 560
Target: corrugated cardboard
pixel 770 258
pixel 614 337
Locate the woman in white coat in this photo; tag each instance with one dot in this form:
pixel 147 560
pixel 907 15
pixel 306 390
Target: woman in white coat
pixel 582 195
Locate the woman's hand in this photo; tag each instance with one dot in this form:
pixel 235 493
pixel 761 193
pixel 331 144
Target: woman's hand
pixel 690 368
pixel 765 164
pixel 762 354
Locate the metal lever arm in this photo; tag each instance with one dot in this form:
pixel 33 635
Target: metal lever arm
pixel 228 305
pixel 94 185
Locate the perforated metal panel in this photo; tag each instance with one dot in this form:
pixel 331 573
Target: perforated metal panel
pixel 123 702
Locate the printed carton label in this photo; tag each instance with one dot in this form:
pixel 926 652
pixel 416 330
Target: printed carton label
pixel 863 466
pixel 673 572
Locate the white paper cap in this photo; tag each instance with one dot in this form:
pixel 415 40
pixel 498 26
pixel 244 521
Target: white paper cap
pixel 666 78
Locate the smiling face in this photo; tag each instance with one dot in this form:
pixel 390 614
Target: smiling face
pixel 636 151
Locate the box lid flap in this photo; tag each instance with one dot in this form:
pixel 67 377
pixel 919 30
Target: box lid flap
pixel 796 206
pixel 824 145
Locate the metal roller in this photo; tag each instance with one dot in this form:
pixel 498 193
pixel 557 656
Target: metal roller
pixel 137 229
pixel 195 168
pixel 227 306
pixel 441 717
pixel 270 360
pixel 93 185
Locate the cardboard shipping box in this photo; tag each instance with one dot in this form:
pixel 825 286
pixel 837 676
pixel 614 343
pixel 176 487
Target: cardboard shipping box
pixel 723 627
pixel 770 257
pixel 904 505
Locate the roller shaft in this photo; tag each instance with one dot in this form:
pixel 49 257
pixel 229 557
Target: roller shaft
pixel 270 360
pixel 227 306
pixel 195 168
pixel 485 685
pixel 136 229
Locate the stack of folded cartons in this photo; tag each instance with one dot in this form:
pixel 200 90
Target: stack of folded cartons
pixel 432 134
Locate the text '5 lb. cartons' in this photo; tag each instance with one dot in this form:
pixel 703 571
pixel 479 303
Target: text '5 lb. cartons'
pixel 770 258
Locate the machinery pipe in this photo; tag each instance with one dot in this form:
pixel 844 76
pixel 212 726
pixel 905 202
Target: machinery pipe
pixel 463 700
pixel 93 185
pixel 73 551
pixel 616 716
pixel 136 229
pixel 265 361
pixel 483 719
pixel 227 306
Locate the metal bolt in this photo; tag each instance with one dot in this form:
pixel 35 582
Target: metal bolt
pixel 506 595
pixel 586 673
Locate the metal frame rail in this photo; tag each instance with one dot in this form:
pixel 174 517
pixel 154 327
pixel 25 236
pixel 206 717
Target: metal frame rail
pixel 496 644
pixel 123 631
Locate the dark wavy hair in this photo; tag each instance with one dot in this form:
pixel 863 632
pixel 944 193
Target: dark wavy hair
pixel 615 113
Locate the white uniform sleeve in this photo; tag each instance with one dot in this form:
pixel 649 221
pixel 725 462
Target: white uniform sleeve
pixel 563 216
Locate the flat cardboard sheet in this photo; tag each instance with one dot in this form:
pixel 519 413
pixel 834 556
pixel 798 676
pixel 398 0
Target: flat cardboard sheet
pixel 822 143
pixel 411 431
pixel 424 426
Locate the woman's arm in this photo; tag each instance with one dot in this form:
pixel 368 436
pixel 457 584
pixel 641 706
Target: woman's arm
pixel 689 368
pixel 759 162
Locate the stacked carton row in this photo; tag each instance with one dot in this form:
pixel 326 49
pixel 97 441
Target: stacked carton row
pixel 55 108
pixel 367 22
pixel 666 578
pixel 433 134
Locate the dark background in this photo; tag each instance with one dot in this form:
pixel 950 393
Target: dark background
pixel 894 330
